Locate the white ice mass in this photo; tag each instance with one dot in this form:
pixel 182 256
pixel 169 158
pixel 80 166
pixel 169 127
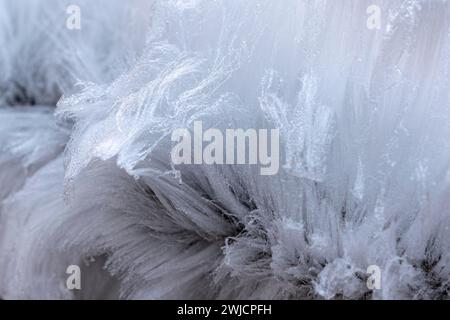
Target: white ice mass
pixel 86 178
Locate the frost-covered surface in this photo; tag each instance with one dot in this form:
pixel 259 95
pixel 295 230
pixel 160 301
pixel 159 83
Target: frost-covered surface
pixel 40 58
pixel 364 117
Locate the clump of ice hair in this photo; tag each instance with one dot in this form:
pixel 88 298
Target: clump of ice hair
pixel 363 117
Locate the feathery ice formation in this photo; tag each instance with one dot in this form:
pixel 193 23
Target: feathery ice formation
pixel 364 119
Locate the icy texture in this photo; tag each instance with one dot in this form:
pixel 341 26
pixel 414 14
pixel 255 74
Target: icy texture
pixel 40 57
pixel 29 139
pixel 364 119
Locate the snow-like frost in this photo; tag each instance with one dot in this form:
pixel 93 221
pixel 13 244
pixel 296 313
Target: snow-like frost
pixel 364 119
pixel 41 57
